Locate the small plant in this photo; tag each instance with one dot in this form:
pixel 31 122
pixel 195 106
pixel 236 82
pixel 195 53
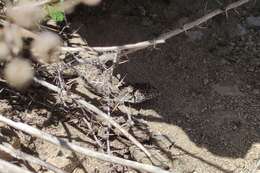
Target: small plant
pixel 56 14
pixel 45 45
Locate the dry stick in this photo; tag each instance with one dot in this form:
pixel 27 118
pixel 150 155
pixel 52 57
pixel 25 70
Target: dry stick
pixel 144 44
pixel 93 133
pixel 23 156
pixel 162 38
pixel 96 111
pixel 71 146
pixel 34 4
pixel 6 167
pixel 130 48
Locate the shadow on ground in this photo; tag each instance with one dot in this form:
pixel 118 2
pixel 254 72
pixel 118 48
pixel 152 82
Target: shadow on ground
pixel 214 99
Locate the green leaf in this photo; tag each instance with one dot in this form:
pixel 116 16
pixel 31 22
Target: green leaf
pixel 56 14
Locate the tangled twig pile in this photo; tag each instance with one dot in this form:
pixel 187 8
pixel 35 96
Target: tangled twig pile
pixel 78 76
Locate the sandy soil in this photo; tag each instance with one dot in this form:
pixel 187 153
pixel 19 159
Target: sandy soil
pixel 208 78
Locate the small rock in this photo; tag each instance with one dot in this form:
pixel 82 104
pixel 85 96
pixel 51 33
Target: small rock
pixel 224 61
pixel 253 22
pixel 248 86
pixel 146 22
pixel 241 30
pixel 60 162
pixel 227 90
pixel 205 81
pixel 195 35
pixel 256 91
pixel 251 69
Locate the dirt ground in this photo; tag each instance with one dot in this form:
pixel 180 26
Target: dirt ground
pixel 208 78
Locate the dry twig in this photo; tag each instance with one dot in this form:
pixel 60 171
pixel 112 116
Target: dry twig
pixel 6 167
pixel 163 37
pixel 71 146
pixel 23 156
pixel 94 109
pixel 130 48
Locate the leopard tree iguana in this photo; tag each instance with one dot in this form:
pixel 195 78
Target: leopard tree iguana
pixel 99 79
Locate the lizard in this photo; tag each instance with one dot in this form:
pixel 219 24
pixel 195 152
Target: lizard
pixel 101 80
pixel 95 77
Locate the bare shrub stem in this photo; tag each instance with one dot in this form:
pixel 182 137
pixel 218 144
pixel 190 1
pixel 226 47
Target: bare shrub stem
pixel 71 146
pixel 94 109
pixel 163 37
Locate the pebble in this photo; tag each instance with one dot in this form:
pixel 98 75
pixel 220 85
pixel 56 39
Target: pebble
pixel 227 90
pixel 206 81
pixel 146 22
pixel 241 30
pixel 253 22
pixel 195 35
pixel 256 91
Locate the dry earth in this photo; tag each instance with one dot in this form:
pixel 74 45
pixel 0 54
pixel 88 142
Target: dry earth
pixel 208 78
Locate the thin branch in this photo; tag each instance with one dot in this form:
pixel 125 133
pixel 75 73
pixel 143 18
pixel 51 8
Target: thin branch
pixel 94 109
pixel 113 123
pixel 35 4
pixel 162 38
pixel 93 134
pixel 97 111
pixel 6 167
pixel 144 44
pixel 23 156
pixel 71 146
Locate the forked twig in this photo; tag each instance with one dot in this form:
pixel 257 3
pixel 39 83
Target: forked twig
pixel 130 48
pixel 163 37
pixel 94 109
pixel 71 146
pixel 23 156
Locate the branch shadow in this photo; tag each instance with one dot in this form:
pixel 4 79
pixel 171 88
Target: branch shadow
pixel 183 71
